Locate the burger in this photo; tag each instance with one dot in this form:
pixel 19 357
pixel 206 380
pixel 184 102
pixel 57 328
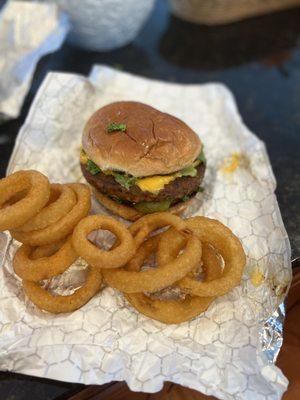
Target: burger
pixel 140 160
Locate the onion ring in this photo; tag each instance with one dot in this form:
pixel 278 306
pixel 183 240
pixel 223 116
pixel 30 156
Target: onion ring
pixel 155 279
pixel 62 200
pixel 116 257
pixel 36 195
pixel 64 304
pixel 130 213
pixel 171 311
pixel 224 241
pixel 141 228
pixel 44 262
pixel 64 226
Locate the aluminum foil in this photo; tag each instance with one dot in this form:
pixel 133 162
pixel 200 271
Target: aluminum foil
pixel 271 334
pixel 229 351
pixel 28 31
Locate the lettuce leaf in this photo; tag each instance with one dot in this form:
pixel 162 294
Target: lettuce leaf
pixel 147 207
pixel 188 171
pixel 201 156
pixel 92 167
pixel 124 180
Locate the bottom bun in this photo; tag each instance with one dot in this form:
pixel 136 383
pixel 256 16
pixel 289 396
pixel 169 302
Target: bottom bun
pixel 130 213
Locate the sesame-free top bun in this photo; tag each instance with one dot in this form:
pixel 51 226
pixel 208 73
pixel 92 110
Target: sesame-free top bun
pixel 153 143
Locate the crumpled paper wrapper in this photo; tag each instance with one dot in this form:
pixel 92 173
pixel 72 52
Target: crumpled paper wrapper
pixel 28 31
pixel 226 352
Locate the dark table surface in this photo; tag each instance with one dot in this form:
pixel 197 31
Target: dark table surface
pixel 258 59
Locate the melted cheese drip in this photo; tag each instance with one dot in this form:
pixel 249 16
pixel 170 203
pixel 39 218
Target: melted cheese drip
pixel 107 172
pixel 232 163
pixel 83 157
pixel 155 183
pixel 257 277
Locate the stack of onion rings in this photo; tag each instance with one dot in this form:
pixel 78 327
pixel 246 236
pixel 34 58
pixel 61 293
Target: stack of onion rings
pixel 222 258
pixel 174 311
pixel 52 223
pixel 62 200
pixel 42 216
pixel 64 226
pixel 153 279
pixel 224 241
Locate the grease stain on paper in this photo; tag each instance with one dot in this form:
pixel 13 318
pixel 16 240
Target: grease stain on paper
pixel 233 162
pixel 256 277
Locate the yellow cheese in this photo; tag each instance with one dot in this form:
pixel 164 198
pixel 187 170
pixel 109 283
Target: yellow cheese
pixel 257 277
pixel 155 183
pixel 107 172
pixel 83 157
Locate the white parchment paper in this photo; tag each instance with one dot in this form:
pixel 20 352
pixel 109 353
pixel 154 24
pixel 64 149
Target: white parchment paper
pixel 28 31
pixel 217 353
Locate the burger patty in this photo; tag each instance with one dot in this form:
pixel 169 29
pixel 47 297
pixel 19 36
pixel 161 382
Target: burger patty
pixel 173 191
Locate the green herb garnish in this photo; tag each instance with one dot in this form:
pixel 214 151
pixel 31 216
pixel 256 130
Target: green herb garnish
pixel 188 171
pixel 200 189
pixel 92 167
pixel 201 156
pixel 147 207
pixel 124 180
pixel 114 127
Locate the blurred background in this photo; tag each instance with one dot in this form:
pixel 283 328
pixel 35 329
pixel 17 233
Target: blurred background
pixel 251 46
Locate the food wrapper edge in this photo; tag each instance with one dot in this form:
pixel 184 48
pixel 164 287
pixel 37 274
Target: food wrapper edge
pixel 230 350
pixel 28 31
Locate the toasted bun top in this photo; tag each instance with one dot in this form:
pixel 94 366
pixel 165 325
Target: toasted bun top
pixel 153 143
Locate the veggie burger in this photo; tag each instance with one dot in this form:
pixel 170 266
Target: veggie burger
pixel 141 157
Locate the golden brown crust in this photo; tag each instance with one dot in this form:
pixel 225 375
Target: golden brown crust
pixel 154 142
pixel 130 213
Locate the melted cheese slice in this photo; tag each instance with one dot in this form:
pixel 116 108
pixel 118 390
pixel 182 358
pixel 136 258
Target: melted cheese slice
pixel 155 183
